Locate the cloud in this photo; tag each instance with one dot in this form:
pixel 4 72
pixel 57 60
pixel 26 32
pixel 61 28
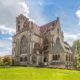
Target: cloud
pixel 6 30
pixel 78 15
pixel 70 38
pixel 9 9
pixel 25 8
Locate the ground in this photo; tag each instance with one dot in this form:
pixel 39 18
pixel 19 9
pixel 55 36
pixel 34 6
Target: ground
pixel 30 73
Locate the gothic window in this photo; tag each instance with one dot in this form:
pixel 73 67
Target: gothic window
pixel 24 25
pixel 66 58
pixel 21 59
pixel 45 44
pixel 25 58
pixel 53 58
pixel 18 27
pixel 56 57
pixel 45 59
pixel 23 46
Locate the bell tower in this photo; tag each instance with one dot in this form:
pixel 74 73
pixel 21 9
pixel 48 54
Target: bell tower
pixel 21 23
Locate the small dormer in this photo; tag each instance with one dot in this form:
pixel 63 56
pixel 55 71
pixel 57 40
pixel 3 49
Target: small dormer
pixel 21 22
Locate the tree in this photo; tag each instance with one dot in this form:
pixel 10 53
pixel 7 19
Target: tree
pixel 7 60
pixel 77 44
pixel 1 62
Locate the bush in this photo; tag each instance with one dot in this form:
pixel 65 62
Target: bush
pixel 7 60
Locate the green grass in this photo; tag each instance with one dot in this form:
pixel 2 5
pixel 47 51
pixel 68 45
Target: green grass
pixel 30 73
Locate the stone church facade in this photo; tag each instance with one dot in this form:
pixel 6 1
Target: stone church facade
pixel 35 45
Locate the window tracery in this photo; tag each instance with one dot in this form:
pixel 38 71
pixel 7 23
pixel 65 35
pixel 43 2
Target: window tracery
pixel 23 46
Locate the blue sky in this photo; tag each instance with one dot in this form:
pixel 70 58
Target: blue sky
pixel 41 12
pixel 49 9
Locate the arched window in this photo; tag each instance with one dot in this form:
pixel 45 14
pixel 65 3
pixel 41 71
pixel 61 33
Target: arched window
pixel 45 44
pixel 23 46
pixel 45 59
pixel 66 58
pixel 25 58
pixel 18 27
pixel 21 59
pixel 24 25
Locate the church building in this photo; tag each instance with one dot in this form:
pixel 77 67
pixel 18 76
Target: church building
pixel 44 45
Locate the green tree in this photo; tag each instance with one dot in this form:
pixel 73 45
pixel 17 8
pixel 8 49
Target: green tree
pixel 7 60
pixel 1 62
pixel 77 44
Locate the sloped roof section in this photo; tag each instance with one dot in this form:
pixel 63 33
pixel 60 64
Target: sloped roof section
pixel 46 27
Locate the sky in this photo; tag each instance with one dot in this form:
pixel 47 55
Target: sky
pixel 41 12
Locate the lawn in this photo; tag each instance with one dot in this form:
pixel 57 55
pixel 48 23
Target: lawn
pixel 30 73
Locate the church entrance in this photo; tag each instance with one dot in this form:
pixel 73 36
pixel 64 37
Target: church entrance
pixel 45 60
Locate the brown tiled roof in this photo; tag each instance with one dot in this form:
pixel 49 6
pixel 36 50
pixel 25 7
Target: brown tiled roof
pixel 47 27
pixel 43 28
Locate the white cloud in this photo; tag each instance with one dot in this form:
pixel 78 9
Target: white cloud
pixel 10 38
pixel 6 30
pixel 78 15
pixel 9 9
pixel 25 8
pixel 70 38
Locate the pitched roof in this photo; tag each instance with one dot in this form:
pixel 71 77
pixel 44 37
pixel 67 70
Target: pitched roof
pixel 48 26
